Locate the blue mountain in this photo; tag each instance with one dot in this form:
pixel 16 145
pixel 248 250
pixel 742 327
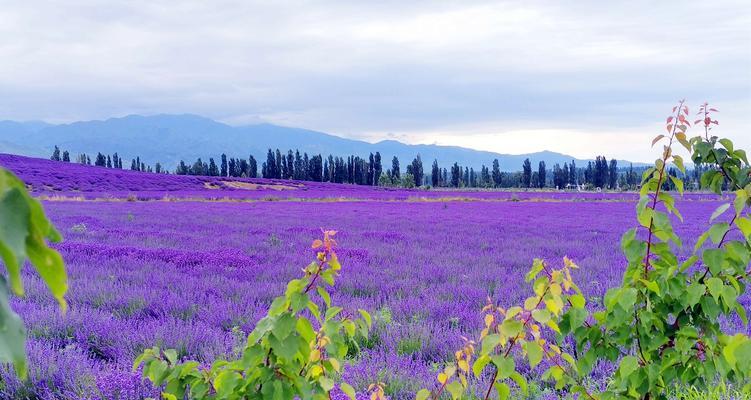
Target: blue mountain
pixel 168 138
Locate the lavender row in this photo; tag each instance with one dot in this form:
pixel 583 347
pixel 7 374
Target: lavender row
pixel 196 276
pixel 57 179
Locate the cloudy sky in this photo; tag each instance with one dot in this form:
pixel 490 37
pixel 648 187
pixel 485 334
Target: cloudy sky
pixel 581 77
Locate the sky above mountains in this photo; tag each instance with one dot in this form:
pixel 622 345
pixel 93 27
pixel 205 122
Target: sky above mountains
pixel 512 77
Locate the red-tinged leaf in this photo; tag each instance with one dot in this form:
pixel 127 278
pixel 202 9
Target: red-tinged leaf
pixel 681 118
pixel 670 127
pixel 317 243
pixel 685 109
pixel 715 122
pixel 670 119
pixel 714 110
pixel 674 108
pixel 697 121
pixel 657 139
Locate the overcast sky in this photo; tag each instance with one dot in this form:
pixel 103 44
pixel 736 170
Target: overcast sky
pixel 581 77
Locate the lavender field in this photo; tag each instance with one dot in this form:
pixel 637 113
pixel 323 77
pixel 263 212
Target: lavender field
pixel 196 275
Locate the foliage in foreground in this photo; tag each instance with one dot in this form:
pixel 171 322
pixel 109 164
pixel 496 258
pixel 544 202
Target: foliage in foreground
pixel 24 229
pixel 286 356
pixel 660 327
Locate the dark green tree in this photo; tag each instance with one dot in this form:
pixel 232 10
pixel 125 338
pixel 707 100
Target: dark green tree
pixel 573 175
pixel 213 169
pixel 370 173
pixel 223 168
pixel 527 173
pixel 496 173
pixel 252 167
pixel 270 165
pixel 541 174
pixel 377 168
pixel 290 165
pixel 456 175
pixel 395 172
pixel 417 171
pixel 435 174
pixel 279 165
pixel 613 174
pixel 55 154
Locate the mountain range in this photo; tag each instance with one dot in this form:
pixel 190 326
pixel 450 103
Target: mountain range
pixel 169 138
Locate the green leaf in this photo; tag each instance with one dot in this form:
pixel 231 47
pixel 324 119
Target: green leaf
pixel 283 326
pixel 332 312
pixel 326 383
pixel 49 265
pixel 727 144
pixel 743 356
pixel 536 269
pixel 744 224
pixel 678 160
pixel 511 327
pixel 577 316
pixel 13 334
pixel 651 285
pixel 742 155
pixel 171 356
pixel 305 329
pixel 423 394
pixel 489 342
pixel 577 301
pixel 503 390
pixel 364 314
pixel 324 295
pixel 716 184
pixel 480 364
pixel 541 316
pixel 714 259
pixel 534 353
pixel 729 350
pixel 715 285
pixel 700 241
pixel 226 382
pixel 741 198
pixel 505 365
pixel 718 231
pixel 677 182
pixel 694 293
pixel 456 390
pixel 627 298
pixel 628 365
pixel 720 210
pixel 741 311
pixel 14 214
pixel 520 381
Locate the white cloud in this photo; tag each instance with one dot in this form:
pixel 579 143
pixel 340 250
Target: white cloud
pixel 424 71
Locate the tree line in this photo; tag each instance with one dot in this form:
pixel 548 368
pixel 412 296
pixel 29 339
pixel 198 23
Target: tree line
pixel 294 165
pixel 102 160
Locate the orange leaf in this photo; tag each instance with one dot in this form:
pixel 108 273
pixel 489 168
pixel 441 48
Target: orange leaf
pixel 317 243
